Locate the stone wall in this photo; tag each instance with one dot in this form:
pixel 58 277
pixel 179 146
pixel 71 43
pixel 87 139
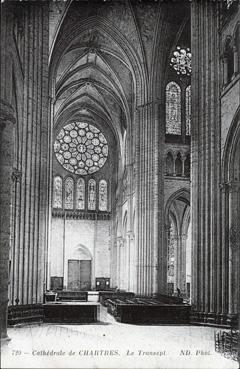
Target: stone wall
pixel 67 236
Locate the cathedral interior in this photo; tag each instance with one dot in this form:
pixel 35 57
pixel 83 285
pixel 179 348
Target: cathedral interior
pixel 120 158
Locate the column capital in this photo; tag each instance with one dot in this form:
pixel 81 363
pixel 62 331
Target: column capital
pixel 130 235
pixel 120 241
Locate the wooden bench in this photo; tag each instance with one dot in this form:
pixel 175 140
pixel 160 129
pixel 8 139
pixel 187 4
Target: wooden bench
pixel 71 313
pixel 72 296
pixel 105 295
pixel 23 314
pixel 147 311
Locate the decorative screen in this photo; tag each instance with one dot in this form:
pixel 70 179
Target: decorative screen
pixel 81 148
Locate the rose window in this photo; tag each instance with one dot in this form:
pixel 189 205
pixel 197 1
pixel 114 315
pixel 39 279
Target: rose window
pixel 181 61
pixel 81 148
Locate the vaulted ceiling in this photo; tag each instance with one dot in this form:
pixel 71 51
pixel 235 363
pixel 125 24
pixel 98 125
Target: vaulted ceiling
pixel 103 55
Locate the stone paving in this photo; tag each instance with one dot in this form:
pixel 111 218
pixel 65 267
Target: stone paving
pixel 109 344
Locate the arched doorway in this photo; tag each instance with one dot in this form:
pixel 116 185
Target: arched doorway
pixel 178 238
pixel 80 270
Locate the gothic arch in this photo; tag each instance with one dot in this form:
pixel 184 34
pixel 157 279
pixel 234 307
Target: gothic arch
pixel 230 149
pixel 183 194
pixel 81 252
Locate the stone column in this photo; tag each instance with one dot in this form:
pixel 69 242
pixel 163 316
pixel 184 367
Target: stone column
pixel 236 59
pixel 7 121
pixel 183 157
pixel 225 70
pixel 206 160
pixel 234 237
pixel 174 164
pixel 182 244
pixel 132 262
pixel 119 264
pixel 149 237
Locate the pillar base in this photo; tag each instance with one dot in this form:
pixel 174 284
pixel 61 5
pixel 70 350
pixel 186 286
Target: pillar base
pixel 4 341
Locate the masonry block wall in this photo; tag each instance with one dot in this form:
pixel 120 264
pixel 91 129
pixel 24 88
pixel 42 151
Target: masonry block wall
pixel 70 235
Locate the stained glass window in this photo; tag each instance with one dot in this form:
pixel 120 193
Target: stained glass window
pixel 57 192
pixel 81 148
pixel 68 193
pixel 102 195
pixel 188 110
pixel 173 109
pixel 181 61
pixel 171 254
pixel 92 194
pixel 80 195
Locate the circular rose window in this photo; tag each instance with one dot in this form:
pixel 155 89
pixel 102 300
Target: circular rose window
pixel 81 148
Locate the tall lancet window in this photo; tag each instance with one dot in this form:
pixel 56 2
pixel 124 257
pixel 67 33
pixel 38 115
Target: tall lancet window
pixel 68 193
pixel 173 109
pixel 91 195
pixel 102 195
pixel 188 110
pixel 80 198
pixel 57 192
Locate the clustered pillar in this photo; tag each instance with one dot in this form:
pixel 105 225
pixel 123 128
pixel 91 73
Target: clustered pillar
pixel 147 189
pixel 7 121
pixel 24 154
pixel 207 269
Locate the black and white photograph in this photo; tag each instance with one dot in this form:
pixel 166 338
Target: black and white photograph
pixel 120 184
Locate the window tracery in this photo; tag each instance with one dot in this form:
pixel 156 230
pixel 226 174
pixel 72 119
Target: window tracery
pixel 173 109
pixel 181 61
pixel 81 148
pixel 57 192
pixel 68 193
pixel 103 195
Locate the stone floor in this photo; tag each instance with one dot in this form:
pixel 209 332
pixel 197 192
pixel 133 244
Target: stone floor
pixel 109 344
